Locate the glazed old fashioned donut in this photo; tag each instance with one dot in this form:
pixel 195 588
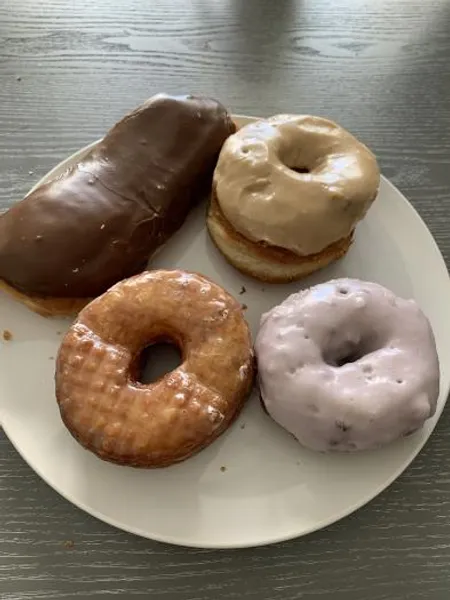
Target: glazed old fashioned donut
pixel 288 192
pixel 347 365
pixel 121 420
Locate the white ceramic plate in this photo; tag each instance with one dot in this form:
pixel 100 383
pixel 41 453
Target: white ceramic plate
pixel 255 485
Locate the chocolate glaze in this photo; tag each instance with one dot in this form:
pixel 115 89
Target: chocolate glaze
pixel 101 220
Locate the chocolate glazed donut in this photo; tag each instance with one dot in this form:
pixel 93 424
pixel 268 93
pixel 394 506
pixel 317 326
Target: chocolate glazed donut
pixel 100 221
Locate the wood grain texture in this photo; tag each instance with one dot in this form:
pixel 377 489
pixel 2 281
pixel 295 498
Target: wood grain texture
pixel 70 69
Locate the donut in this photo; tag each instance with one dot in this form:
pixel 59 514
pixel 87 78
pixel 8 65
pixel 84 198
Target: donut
pixel 288 192
pixel 72 238
pixel 347 365
pixel 103 404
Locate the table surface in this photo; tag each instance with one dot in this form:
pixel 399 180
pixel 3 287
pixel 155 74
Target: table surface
pixel 68 70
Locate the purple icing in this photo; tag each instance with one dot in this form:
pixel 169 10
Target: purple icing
pixel 347 365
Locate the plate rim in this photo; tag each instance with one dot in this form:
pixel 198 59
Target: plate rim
pixel 439 265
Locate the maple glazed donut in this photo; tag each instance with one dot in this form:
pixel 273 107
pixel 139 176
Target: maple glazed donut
pixel 288 192
pixel 347 365
pixel 121 420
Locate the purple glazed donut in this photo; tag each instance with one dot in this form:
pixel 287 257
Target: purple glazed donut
pixel 347 366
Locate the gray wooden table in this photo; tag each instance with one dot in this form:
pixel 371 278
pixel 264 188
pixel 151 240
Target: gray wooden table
pixel 381 68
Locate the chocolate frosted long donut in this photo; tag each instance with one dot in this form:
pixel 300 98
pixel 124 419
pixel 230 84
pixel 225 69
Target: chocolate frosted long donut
pixel 101 221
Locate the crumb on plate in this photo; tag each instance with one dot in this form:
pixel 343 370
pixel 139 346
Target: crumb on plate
pixel 7 335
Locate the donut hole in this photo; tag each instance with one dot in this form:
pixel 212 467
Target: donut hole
pixel 301 170
pixel 345 354
pixel 350 358
pixel 344 358
pixel 155 361
pixel 339 352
